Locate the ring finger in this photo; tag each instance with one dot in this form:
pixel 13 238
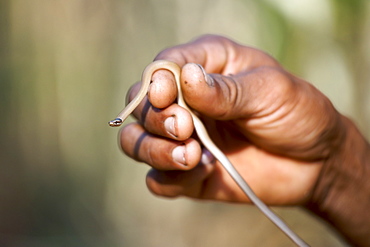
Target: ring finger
pixel 160 153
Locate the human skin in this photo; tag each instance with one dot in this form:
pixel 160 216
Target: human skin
pixel 281 133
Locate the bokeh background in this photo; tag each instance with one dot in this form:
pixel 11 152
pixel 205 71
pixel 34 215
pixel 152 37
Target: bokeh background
pixel 65 66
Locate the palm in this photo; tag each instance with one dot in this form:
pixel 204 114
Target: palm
pixel 277 180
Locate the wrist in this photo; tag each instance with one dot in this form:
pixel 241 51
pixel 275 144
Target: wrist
pixel 342 192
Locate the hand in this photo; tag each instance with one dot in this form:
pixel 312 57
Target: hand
pixel 275 128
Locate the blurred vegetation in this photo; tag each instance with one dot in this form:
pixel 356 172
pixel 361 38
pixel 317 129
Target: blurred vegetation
pixel 64 69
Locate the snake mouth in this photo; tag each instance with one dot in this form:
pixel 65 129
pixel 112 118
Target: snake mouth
pixel 116 122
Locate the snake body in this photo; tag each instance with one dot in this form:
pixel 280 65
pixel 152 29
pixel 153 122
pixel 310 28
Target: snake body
pixel 204 138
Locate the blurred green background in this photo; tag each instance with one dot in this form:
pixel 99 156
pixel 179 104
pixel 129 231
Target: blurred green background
pixel 65 67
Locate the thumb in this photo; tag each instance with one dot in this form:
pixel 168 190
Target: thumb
pixel 209 94
pixel 245 95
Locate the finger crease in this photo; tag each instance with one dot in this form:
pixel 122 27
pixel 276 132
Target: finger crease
pixel 137 146
pixel 232 96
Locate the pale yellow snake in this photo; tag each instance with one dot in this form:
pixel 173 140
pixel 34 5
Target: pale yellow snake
pixel 204 138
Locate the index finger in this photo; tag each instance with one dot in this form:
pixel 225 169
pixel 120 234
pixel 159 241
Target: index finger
pixel 216 54
pixel 219 55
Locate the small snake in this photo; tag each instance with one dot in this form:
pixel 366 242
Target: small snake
pixel 204 138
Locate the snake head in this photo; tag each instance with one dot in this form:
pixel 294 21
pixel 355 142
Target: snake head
pixel 116 122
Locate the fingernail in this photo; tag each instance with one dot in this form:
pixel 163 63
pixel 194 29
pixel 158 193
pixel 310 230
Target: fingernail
pixel 178 154
pixel 169 125
pixel 207 77
pixel 207 157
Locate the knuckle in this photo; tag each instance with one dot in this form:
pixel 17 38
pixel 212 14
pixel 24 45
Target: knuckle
pixel 157 185
pixel 173 54
pixel 281 82
pixel 128 136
